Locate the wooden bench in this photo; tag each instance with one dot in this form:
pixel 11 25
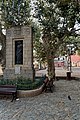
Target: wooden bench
pixel 9 90
pixel 48 84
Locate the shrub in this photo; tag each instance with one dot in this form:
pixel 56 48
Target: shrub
pixel 23 83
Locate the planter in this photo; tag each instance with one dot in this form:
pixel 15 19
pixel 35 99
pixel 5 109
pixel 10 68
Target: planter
pixel 29 93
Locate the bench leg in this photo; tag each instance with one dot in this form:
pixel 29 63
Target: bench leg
pixel 14 96
pixel 51 90
pixel 45 89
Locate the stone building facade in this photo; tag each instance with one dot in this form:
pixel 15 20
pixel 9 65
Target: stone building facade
pixel 24 67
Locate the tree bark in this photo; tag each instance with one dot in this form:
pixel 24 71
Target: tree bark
pixel 51 68
pixel 3 50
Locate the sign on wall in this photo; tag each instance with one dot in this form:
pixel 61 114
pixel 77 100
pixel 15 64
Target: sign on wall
pixel 17 69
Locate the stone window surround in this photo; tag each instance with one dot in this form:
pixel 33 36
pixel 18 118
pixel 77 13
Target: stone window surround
pixel 13 51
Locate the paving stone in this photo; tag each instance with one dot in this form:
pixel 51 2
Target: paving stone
pixel 47 106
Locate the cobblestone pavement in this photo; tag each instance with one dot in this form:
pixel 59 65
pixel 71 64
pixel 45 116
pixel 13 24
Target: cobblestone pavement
pixel 46 106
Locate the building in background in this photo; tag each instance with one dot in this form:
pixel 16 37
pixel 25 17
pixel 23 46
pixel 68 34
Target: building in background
pixel 75 60
pixel 60 61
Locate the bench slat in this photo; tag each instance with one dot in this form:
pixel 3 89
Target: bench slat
pixel 9 90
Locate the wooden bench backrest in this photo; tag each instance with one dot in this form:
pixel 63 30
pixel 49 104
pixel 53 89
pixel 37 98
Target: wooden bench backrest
pixel 46 80
pixel 8 86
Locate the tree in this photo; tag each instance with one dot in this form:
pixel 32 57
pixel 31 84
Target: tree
pixel 16 12
pixel 38 49
pixel 13 13
pixel 37 43
pixel 58 20
pixel 3 46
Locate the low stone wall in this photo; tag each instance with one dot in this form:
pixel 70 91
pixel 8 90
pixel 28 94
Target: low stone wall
pixel 29 93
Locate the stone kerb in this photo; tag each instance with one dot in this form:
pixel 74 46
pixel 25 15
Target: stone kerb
pixel 29 93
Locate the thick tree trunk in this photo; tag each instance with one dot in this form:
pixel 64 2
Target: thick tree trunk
pixel 51 68
pixel 3 50
pixel 49 55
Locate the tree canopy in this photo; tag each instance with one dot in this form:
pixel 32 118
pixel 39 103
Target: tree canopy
pixel 16 12
pixel 12 13
pixel 2 47
pixel 59 20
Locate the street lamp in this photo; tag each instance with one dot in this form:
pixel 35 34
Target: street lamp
pixel 70 48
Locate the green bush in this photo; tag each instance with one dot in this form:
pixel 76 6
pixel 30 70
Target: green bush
pixel 23 87
pixel 29 86
pixel 23 83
